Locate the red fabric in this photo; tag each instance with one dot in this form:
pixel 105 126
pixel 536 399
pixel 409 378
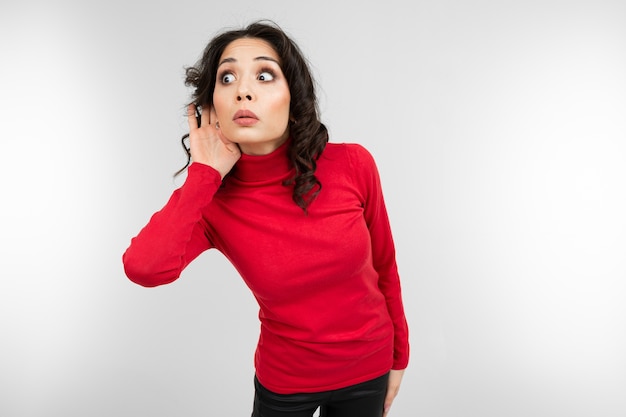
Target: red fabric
pixel 327 283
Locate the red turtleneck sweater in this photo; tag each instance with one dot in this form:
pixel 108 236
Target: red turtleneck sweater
pixel 327 283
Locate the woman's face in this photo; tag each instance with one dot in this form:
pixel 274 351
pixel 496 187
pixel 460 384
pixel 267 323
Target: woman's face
pixel 251 97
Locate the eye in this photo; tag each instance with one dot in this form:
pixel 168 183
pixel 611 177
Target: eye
pixel 266 76
pixel 227 78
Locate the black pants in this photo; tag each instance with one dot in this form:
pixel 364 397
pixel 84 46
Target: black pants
pixel 360 400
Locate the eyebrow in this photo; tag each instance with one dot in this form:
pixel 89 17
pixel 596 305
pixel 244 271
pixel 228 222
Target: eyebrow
pixel 258 58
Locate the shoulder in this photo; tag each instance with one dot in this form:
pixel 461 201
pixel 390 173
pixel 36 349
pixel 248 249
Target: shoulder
pixel 353 153
pixel 349 162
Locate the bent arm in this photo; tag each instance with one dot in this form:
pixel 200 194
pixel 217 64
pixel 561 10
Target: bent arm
pixel 175 235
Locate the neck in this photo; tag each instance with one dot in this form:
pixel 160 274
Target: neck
pixel 265 148
pixel 273 166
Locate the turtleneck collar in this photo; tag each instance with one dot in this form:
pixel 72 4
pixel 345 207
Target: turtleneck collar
pixel 263 168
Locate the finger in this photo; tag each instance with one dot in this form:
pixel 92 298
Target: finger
pixel 387 406
pixel 206 118
pixel 191 116
pixel 392 392
pixel 213 116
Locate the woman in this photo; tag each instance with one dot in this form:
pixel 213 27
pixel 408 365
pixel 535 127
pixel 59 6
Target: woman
pixel 302 220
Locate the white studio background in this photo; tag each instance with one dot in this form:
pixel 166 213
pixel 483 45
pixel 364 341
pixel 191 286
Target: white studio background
pixel 499 128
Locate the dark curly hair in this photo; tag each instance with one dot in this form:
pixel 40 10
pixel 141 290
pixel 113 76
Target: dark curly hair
pixel 308 133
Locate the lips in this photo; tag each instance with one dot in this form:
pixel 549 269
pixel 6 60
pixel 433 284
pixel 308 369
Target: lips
pixel 245 118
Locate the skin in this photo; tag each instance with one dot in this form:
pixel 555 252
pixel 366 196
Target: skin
pixel 208 145
pixel 249 78
pixel 393 386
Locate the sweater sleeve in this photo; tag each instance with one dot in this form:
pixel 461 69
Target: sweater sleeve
pixel 383 250
pixel 175 235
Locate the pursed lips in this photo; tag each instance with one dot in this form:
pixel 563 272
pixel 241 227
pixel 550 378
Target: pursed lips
pixel 245 114
pixel 245 118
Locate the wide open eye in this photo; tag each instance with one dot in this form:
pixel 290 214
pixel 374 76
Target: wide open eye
pixel 227 78
pixel 266 76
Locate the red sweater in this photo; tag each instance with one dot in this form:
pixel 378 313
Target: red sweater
pixel 327 283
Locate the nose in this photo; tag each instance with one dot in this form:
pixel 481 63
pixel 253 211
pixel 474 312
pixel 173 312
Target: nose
pixel 244 91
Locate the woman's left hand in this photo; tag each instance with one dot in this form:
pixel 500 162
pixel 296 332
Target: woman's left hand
pixel 393 386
